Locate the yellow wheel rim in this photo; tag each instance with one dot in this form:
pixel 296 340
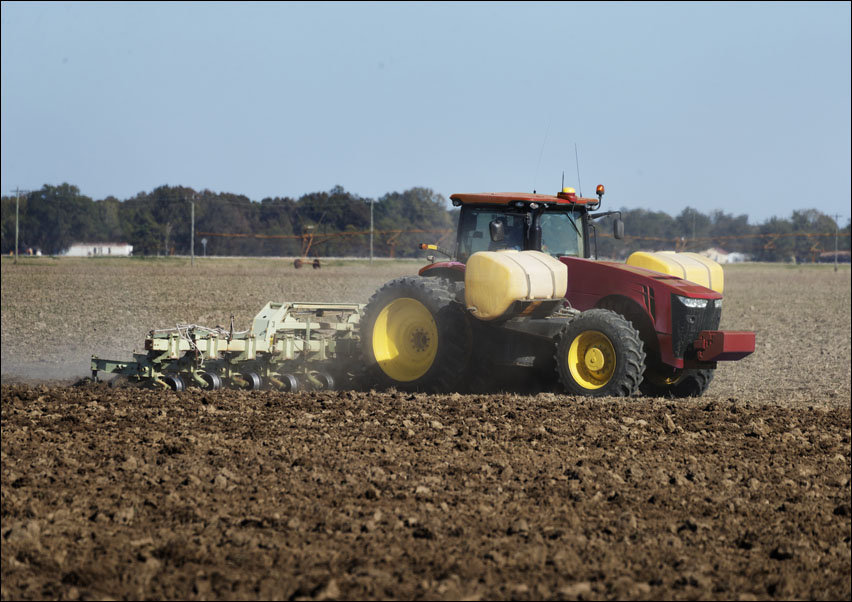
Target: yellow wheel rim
pixel 405 339
pixel 591 359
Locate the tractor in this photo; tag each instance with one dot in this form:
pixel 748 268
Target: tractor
pixel 521 304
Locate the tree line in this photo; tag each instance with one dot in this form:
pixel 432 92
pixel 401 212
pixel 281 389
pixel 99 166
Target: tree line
pixel 801 238
pixel 337 223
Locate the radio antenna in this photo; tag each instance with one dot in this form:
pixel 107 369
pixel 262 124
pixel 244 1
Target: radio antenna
pixel 577 159
pixel 541 152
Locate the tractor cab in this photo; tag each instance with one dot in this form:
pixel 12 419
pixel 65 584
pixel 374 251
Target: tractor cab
pixel 559 225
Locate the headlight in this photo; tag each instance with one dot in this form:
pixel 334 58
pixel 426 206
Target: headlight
pixel 718 303
pixel 693 303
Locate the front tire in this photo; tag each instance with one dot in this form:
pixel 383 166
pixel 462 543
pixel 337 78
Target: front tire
pixel 600 354
pixel 415 336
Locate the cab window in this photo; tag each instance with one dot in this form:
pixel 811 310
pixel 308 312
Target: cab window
pixel 560 234
pixel 475 236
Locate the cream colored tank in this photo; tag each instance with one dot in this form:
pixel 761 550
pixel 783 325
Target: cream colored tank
pixel 495 280
pixel 689 266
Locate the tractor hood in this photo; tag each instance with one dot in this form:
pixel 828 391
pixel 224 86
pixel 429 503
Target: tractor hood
pixel 589 281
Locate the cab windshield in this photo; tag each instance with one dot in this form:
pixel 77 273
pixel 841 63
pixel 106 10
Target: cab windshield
pixel 560 231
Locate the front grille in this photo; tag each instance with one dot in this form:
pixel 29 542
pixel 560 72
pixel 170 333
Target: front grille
pixel 687 322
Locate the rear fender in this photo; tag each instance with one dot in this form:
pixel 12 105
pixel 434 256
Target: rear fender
pixel 450 270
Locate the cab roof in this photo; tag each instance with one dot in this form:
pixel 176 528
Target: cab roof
pixel 506 198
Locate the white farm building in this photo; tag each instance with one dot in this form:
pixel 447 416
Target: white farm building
pixel 720 256
pixel 93 249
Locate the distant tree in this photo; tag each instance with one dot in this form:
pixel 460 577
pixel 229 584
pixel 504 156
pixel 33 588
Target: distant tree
pixel 276 219
pixel 140 228
pixel 775 242
pixel 231 214
pixel 159 222
pixel 157 218
pixel 691 226
pixel 733 234
pixel 844 241
pixel 811 221
pixel 323 213
pixel 58 216
pixel 413 209
pixel 649 231
pixel 106 226
pixel 7 222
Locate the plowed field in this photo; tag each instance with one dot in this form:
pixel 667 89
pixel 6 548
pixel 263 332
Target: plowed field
pixel 124 493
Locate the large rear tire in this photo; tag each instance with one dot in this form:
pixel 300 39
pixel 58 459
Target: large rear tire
pixel 667 382
pixel 599 353
pixel 415 336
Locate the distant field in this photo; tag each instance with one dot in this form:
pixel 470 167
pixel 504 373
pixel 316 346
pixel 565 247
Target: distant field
pixel 56 313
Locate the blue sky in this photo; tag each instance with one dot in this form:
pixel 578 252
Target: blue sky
pixel 742 107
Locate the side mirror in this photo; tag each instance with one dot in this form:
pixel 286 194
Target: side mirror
pixel 618 228
pixel 497 229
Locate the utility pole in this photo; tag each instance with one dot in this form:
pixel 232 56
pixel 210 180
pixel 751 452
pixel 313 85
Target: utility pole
pixel 192 232
pixel 693 227
pixel 836 217
pixel 18 192
pixel 372 202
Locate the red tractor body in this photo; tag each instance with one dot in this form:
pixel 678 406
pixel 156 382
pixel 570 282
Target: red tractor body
pixel 677 320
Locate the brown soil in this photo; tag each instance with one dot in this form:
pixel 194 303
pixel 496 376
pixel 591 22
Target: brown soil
pixel 125 493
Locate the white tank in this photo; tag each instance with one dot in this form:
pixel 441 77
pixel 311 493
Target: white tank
pixel 501 284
